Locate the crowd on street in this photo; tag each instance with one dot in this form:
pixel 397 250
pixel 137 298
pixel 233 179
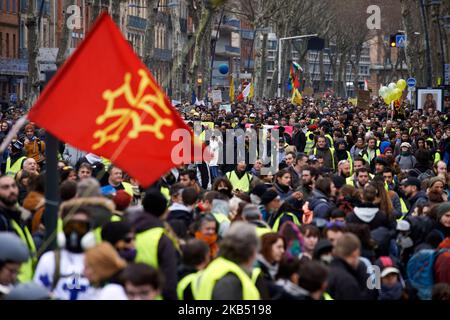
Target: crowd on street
pixel 357 209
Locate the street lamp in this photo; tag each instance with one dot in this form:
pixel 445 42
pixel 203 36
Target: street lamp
pixel 279 57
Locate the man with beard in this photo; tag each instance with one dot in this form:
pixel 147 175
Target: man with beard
pixel 328 154
pixel 344 169
pixel 416 196
pixel 11 221
pixel 308 177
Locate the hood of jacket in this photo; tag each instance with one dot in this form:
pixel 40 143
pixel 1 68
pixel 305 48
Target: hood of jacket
pixel 316 197
pixel 220 206
pixel 365 214
pixel 179 207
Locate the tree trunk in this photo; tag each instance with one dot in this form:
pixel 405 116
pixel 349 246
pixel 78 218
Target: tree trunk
pixel 415 47
pixel 64 41
pixel 322 72
pixel 33 51
pixel 177 68
pixel 205 20
pixel 261 70
pixel 149 39
pixel 435 43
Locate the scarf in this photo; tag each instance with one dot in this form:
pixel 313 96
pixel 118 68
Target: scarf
pixel 391 292
pixel 271 268
pixel 211 241
pixel 285 189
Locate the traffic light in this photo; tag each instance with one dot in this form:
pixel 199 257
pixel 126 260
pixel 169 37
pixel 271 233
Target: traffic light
pixel 393 41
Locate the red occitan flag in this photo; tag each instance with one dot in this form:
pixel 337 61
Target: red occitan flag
pixel 105 101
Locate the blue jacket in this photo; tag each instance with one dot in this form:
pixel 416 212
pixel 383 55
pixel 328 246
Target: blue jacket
pixel 319 203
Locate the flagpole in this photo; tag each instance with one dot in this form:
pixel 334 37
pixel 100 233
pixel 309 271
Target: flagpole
pixel 50 216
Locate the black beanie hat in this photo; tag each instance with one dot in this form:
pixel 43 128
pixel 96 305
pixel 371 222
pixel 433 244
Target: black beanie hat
pixel 154 202
pixel 259 190
pixel 115 231
pixel 268 196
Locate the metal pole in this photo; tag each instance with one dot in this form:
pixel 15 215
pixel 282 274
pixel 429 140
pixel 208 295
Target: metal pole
pixel 50 216
pixel 427 43
pixel 279 69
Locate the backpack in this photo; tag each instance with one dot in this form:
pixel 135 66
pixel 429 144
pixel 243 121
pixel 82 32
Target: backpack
pixel 420 271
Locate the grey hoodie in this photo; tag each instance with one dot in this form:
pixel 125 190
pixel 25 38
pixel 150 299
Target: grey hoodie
pixel 365 214
pixel 223 207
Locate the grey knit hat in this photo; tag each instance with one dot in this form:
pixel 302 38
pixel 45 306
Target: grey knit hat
pixel 443 209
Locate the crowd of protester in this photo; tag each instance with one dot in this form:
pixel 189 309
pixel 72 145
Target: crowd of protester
pixel 357 209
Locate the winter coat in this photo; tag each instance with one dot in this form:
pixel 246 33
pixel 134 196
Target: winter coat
pixel 406 162
pixel 178 211
pixel 320 204
pixel 299 140
pixel 283 191
pixel 345 282
pixel 328 155
pixel 369 214
pixel 442 264
pixel 418 200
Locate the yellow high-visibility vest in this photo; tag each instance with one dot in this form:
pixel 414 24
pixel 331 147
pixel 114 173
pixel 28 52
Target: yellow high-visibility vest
pixel 147 246
pixel 11 170
pixel 242 184
pixel 215 271
pixel 26 270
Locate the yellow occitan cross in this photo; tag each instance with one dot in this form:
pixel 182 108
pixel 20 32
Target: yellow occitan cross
pixel 124 115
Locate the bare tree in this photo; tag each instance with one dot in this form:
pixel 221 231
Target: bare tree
pixel 33 51
pixel 64 41
pixel 203 14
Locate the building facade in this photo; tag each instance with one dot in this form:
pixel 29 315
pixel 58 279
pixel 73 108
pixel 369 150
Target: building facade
pixel 12 68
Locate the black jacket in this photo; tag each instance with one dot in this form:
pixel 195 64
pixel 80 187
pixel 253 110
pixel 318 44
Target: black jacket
pixel 167 254
pixel 370 215
pixel 299 140
pixel 345 282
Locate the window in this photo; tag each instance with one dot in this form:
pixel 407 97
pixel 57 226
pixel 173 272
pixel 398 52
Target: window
pixel 14 47
pixel 7 45
pixel 1 40
pixel 13 5
pixel 1 5
pixel 7 5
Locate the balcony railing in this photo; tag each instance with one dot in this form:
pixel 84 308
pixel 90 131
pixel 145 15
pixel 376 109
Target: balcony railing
pixel 247 34
pixel 163 54
pixel 137 22
pixel 234 50
pixel 235 23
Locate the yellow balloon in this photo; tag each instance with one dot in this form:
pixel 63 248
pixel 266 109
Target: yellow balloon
pixel 397 94
pixel 401 84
